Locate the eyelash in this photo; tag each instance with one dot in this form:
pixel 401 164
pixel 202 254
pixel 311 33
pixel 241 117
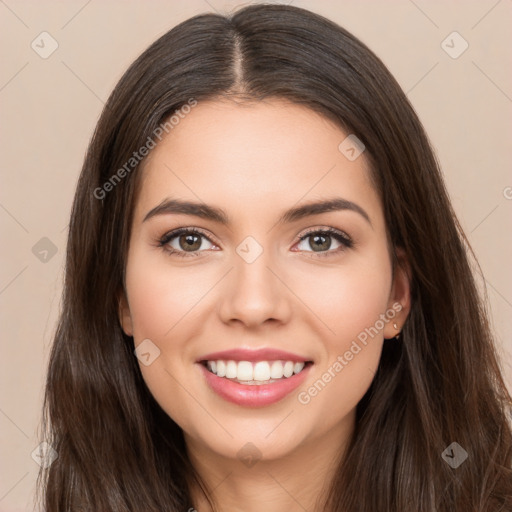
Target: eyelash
pixel 339 236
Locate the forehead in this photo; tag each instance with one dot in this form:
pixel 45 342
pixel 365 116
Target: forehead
pixel 268 154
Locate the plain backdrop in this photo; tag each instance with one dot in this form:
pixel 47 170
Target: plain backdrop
pixel 50 104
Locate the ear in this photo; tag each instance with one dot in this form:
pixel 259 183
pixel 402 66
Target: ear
pixel 125 318
pixel 400 295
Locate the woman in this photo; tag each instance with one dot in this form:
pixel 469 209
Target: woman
pixel 268 300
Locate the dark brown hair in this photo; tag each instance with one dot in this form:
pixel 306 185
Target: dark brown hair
pixel 117 449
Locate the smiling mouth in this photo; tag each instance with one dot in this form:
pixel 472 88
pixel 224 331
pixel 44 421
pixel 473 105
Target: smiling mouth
pixel 255 373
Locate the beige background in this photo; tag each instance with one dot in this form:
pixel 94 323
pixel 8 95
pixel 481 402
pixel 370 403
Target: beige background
pixel 49 108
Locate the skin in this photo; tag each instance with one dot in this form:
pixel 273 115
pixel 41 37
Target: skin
pixel 256 160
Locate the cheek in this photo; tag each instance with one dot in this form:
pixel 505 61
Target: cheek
pixel 349 307
pixel 163 303
pixel 162 300
pixel 346 301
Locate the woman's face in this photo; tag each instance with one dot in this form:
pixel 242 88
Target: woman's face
pixel 247 282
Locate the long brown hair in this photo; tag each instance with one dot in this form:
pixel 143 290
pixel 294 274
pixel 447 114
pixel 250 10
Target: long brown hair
pixel 439 383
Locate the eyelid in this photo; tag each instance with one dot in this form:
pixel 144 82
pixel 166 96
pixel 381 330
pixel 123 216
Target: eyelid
pixel 178 231
pixel 324 229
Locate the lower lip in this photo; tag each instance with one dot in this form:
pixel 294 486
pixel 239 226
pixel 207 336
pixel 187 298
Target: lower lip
pixel 257 395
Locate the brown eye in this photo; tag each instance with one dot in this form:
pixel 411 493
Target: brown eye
pixel 183 242
pixel 320 241
pixel 189 242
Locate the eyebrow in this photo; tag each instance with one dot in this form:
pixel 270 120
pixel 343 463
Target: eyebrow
pixel 213 213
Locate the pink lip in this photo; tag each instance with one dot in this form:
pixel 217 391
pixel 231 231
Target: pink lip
pixel 262 354
pixel 256 395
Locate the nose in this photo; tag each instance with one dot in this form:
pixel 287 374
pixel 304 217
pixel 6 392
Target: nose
pixel 254 293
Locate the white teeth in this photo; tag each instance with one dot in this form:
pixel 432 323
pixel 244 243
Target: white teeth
pixel 262 371
pixel 221 369
pixel 244 371
pixel 231 370
pixel 298 367
pixel 288 369
pixel 276 370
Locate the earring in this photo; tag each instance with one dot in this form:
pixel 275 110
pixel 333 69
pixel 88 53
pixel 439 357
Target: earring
pixel 396 327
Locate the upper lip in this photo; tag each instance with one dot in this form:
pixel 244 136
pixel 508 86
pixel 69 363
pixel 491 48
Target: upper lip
pixel 253 355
